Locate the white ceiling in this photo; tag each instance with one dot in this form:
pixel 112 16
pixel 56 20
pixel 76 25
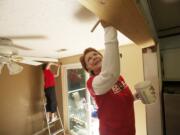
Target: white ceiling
pixel 63 22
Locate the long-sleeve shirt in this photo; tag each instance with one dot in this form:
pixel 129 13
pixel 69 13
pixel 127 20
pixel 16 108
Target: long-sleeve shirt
pixel 110 71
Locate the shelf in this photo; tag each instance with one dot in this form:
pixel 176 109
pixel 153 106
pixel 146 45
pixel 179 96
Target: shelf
pixel 78 121
pixel 76 90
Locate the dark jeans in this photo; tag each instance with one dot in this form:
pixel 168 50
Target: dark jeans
pixel 51 103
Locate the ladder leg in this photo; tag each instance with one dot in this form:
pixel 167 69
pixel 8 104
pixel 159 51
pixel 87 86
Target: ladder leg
pixel 45 113
pixel 60 120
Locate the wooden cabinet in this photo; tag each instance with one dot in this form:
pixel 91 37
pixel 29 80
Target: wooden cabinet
pixel 125 16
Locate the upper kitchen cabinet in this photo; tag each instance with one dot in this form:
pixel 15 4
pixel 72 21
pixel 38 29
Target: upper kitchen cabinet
pixel 165 14
pixel 125 16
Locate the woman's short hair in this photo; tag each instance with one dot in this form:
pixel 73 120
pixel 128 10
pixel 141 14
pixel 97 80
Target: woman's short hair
pixel 44 65
pixel 82 58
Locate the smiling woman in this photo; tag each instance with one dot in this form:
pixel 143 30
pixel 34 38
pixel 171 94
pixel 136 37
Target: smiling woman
pixel 108 88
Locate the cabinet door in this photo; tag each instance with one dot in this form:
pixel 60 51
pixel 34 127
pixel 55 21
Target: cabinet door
pixel 171 64
pixel 76 100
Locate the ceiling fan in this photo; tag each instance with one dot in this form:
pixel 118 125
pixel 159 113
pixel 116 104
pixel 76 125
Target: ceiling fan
pixel 9 56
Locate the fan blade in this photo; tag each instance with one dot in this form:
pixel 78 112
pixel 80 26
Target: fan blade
pixel 43 59
pixel 29 62
pixel 21 47
pixel 27 37
pixel 25 61
pixel 7 42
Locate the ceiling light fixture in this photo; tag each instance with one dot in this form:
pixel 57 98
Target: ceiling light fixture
pixel 1 67
pixel 14 68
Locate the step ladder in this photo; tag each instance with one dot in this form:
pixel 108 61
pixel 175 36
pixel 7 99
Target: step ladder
pixel 52 123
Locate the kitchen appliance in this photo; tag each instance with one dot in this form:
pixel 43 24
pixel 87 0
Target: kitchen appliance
pixel 171 107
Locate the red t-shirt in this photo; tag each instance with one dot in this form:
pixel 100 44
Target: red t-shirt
pixel 115 109
pixel 49 80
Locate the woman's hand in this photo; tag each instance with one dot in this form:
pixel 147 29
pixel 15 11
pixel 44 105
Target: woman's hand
pixel 104 23
pixel 136 96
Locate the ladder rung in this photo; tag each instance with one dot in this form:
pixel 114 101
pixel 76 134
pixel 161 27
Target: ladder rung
pixel 58 131
pixel 42 130
pixel 53 121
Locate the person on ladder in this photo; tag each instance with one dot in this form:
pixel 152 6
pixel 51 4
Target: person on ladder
pixel 49 89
